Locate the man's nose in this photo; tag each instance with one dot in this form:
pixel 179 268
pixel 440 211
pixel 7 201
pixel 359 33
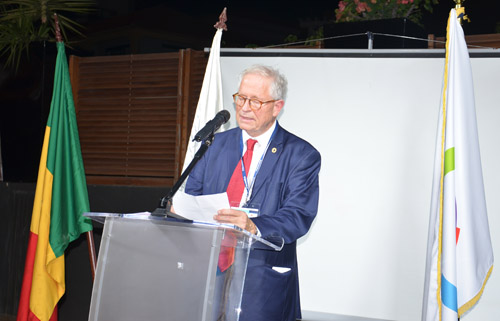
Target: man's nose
pixel 246 105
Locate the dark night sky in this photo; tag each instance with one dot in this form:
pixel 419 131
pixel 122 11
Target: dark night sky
pixel 266 22
pixel 483 13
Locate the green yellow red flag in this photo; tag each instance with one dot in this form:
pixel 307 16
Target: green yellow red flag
pixel 60 200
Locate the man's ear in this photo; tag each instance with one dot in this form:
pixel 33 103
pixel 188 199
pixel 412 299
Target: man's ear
pixel 277 107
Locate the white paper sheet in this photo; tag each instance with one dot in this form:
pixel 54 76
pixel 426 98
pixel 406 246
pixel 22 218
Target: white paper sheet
pixel 199 208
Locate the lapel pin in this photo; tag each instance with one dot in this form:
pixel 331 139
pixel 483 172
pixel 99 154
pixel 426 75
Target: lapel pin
pixel 274 150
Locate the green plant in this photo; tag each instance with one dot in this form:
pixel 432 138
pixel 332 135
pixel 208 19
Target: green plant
pixel 23 22
pixel 291 38
pixel 313 38
pixel 357 10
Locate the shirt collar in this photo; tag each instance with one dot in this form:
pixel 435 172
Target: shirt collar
pixel 262 139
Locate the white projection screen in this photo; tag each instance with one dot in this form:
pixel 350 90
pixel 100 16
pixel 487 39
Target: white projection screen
pixel 373 114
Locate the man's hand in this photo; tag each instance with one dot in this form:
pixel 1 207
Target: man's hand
pixel 237 218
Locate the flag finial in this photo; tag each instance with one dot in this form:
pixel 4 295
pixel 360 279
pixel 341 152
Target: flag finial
pixel 461 11
pixel 221 24
pixel 58 29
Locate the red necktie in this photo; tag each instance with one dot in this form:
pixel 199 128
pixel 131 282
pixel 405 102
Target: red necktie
pixel 234 193
pixel 236 185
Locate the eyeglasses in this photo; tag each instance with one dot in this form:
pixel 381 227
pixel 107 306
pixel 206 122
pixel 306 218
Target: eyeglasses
pixel 254 104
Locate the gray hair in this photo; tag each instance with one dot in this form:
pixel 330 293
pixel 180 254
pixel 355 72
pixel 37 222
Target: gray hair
pixel 279 84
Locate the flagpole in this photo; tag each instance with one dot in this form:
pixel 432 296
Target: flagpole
pixel 92 254
pixel 458 5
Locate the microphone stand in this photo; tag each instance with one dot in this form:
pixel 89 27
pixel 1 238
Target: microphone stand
pixel 166 201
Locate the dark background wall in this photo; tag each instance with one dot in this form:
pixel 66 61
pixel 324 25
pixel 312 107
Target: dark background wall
pixel 16 204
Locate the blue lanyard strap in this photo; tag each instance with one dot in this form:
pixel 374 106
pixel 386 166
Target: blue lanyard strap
pixel 243 171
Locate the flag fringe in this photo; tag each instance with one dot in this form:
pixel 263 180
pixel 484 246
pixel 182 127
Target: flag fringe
pixel 469 305
pixel 441 184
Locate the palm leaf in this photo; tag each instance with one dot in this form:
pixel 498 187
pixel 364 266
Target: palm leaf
pixel 23 22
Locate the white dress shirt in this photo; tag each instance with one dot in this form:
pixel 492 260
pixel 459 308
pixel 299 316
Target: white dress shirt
pixel 258 152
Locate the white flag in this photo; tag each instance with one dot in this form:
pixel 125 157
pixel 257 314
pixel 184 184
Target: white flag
pixel 210 101
pixel 459 252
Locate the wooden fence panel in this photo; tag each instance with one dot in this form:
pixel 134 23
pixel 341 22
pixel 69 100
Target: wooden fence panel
pixel 134 114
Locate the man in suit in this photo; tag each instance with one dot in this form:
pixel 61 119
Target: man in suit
pixel 281 180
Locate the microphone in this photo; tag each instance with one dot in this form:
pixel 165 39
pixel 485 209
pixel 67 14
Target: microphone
pixel 211 126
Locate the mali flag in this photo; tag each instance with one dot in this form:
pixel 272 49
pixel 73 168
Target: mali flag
pixel 60 199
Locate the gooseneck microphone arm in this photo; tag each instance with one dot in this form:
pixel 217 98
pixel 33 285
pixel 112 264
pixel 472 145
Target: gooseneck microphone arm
pixel 206 136
pixel 165 201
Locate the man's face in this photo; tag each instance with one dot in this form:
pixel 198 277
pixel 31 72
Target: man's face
pixel 256 122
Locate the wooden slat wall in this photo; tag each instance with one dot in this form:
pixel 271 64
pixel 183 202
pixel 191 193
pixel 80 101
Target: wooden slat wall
pixel 133 114
pixel 194 65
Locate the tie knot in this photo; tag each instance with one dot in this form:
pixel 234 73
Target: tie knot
pixel 250 144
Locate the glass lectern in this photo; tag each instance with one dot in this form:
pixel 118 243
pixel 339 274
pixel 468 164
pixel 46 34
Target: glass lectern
pixel 155 268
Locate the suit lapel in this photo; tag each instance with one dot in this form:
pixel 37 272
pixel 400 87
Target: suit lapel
pixel 232 150
pixel 269 162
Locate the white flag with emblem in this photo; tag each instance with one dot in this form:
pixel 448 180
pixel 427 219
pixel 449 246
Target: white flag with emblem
pixel 459 252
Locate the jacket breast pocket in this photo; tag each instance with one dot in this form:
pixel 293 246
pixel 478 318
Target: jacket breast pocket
pixel 268 292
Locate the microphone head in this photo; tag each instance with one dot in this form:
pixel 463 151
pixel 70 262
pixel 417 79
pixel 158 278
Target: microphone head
pixel 225 115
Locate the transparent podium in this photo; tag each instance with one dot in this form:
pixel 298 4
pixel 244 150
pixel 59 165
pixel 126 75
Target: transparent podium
pixel 155 268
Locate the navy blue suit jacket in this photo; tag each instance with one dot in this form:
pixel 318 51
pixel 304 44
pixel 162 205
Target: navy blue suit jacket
pixel 286 192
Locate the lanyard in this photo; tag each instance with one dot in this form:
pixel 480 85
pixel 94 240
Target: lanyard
pixel 243 171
